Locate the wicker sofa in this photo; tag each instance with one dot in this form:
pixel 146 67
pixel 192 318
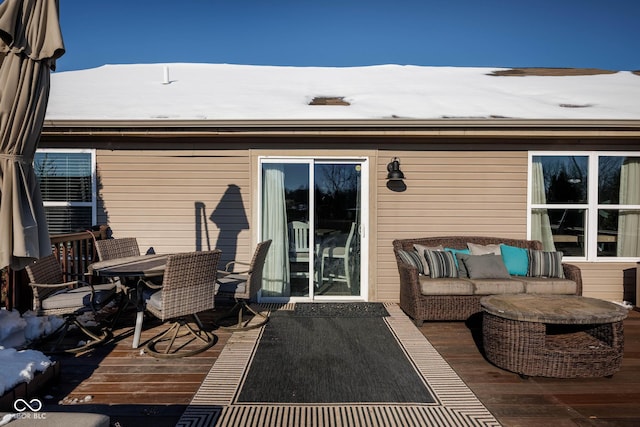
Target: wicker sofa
pixel 425 298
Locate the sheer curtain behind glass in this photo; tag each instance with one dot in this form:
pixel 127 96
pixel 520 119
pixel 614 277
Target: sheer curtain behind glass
pixel 275 276
pixel 629 222
pixel 540 223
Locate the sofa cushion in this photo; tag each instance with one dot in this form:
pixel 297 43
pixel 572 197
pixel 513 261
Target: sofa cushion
pixel 545 264
pixel 57 419
pixel 549 285
pixel 413 259
pixel 79 297
pixel 477 249
pixel 455 253
pixel 445 286
pixel 420 250
pixel 462 269
pixel 498 286
pixel 441 264
pixel 487 266
pixel 515 259
pixel 153 297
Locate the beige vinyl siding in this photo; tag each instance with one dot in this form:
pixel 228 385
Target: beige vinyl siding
pixel 604 280
pixel 465 193
pixel 448 193
pixel 153 195
pixel 177 201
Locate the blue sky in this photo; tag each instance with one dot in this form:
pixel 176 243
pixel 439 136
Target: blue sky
pixel 338 33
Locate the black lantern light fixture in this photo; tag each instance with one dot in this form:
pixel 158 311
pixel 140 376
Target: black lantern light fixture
pixel 395 174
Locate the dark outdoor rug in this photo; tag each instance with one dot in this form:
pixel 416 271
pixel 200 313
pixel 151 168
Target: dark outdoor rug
pixel 331 360
pixel 317 370
pixel 344 309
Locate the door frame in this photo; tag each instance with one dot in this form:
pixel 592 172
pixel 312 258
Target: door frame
pixel 364 162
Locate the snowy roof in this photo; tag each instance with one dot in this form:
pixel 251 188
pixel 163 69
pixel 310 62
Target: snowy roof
pixel 184 91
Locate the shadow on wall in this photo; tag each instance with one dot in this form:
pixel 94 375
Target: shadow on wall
pixel 102 214
pixel 229 217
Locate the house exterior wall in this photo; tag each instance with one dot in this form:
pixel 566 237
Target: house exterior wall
pixel 206 197
pixel 449 193
pixel 604 280
pixel 178 201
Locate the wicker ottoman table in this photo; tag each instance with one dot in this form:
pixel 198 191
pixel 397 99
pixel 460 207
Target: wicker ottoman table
pixel 561 336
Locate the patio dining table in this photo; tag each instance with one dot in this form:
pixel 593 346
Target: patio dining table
pixel 143 266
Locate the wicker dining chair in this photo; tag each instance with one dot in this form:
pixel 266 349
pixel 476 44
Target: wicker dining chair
pixel 188 288
pixel 122 247
pixel 53 295
pixel 117 248
pixel 243 286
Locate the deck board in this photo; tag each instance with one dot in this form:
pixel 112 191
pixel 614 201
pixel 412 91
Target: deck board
pixel 136 389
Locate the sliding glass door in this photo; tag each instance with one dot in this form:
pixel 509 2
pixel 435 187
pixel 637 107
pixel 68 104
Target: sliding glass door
pixel 312 209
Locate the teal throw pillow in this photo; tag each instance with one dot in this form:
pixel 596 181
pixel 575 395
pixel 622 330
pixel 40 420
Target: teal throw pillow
pixel 515 259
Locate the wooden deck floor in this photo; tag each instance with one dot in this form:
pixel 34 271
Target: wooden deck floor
pixel 135 389
pixel 545 401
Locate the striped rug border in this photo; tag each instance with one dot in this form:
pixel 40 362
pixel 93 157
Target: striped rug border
pixel 214 403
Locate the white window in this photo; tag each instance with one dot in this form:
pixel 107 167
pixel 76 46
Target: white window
pixel 67 185
pixel 586 204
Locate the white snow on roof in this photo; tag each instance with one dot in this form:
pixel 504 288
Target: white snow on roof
pixel 245 92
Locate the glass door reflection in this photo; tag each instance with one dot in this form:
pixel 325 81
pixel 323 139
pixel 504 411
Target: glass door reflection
pixel 337 229
pixel 318 230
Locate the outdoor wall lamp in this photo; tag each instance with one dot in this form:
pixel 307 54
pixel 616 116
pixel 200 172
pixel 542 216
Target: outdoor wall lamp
pixel 395 176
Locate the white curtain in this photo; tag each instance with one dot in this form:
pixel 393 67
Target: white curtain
pixel 629 221
pixel 274 225
pixel 540 223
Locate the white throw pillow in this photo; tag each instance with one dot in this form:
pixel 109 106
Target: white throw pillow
pixel 484 249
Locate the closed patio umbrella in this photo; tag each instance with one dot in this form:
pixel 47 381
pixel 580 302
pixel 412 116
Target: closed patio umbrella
pixel 30 42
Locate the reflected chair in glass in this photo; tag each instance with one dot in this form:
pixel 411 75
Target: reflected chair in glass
pixel 188 288
pixel 299 248
pixel 338 250
pixel 243 286
pixel 53 295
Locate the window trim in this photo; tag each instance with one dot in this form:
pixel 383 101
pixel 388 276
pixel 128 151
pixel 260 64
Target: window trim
pixel 94 185
pixel 592 206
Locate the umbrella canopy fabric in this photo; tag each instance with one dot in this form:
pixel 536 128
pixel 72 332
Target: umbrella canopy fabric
pixel 30 41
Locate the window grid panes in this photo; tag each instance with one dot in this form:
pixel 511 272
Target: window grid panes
pixel 586 205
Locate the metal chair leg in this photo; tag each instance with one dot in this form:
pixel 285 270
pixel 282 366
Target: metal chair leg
pixel 206 338
pixel 241 324
pixel 61 333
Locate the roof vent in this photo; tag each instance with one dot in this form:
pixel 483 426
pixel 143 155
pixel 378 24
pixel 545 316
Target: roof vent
pixel 165 79
pixel 575 105
pixel 532 71
pixel 329 100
